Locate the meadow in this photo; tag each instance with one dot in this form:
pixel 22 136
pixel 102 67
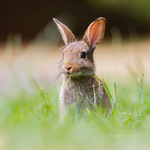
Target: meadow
pixel 29 109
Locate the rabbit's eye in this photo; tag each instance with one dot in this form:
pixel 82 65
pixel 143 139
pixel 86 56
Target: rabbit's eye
pixel 83 55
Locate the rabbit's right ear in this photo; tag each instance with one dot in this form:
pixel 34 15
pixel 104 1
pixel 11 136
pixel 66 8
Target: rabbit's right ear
pixel 95 32
pixel 66 33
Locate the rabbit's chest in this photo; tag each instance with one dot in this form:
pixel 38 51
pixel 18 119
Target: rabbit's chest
pixel 80 92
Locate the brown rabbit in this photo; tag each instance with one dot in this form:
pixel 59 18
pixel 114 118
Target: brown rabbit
pixel 78 69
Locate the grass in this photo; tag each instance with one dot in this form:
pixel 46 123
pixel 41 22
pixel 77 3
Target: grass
pixel 30 120
pixel 29 116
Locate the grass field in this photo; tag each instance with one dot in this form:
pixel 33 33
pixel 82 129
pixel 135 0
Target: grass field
pixel 29 111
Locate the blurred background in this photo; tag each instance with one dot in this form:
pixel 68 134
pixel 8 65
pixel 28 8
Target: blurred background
pixel 30 18
pixel 30 41
pixel 30 52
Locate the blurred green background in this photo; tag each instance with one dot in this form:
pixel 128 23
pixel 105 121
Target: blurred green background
pixel 30 53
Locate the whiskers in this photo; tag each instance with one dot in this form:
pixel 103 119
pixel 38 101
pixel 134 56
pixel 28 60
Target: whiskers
pixel 54 81
pixel 51 67
pixel 52 58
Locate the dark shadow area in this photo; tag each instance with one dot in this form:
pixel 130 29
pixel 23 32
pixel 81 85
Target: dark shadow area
pixel 29 17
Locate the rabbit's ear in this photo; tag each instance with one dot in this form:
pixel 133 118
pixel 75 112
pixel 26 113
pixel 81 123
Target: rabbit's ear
pixel 95 32
pixel 66 33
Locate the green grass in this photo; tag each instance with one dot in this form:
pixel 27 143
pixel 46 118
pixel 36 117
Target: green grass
pixel 30 120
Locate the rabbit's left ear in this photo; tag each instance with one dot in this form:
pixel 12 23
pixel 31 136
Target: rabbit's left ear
pixel 66 33
pixel 95 32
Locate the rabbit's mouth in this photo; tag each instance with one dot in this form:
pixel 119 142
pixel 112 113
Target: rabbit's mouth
pixel 81 72
pixel 76 70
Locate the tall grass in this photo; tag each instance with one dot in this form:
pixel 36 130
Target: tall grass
pixel 31 121
pixel 29 118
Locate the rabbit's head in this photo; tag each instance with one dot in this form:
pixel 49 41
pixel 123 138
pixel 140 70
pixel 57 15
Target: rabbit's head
pixel 78 55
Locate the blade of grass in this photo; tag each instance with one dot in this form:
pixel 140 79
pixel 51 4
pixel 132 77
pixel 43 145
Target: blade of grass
pixel 106 87
pixel 141 88
pixel 38 88
pixel 85 104
pixel 68 81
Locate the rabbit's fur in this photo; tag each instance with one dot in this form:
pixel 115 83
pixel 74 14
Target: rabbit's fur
pixel 78 69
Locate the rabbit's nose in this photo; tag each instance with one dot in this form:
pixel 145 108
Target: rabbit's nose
pixel 68 67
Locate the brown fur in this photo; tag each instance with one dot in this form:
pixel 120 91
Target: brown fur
pixel 78 69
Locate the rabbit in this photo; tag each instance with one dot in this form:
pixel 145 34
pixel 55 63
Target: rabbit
pixel 78 69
